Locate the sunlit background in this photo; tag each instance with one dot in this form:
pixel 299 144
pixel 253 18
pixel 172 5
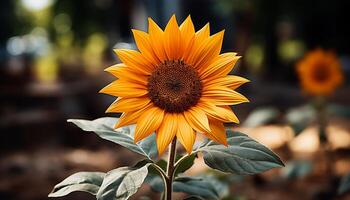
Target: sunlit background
pixel 52 56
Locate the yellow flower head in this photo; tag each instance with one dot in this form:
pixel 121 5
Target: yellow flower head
pixel 320 72
pixel 177 84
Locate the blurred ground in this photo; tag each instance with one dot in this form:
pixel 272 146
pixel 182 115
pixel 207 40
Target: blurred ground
pixel 49 153
pixel 31 174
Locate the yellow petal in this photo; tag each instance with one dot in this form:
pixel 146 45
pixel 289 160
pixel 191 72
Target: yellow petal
pixel 156 36
pixel 148 122
pixel 210 50
pixel 232 82
pixel 142 41
pixel 200 36
pixel 128 104
pixel 197 119
pixel 222 95
pixel 218 133
pixel 172 40
pixel 223 114
pixel 220 66
pixel 128 118
pixel 203 33
pixel 124 88
pixel 202 54
pixel 231 116
pixel 134 60
pixel 185 133
pixel 121 71
pixel 166 132
pixel 187 34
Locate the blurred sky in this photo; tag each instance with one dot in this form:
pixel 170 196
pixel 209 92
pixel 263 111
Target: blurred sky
pixel 52 53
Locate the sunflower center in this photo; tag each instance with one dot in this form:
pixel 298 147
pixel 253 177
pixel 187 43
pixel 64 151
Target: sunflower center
pixel 174 86
pixel 321 73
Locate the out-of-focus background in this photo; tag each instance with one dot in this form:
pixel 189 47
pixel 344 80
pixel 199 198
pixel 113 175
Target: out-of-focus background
pixel 52 56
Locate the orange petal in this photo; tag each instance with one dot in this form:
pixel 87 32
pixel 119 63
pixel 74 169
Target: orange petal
pixel 223 114
pixel 166 132
pixel 218 133
pixel 135 60
pixel 128 104
pixel 231 116
pixel 121 71
pixel 124 88
pixel 209 50
pixel 197 119
pixel 200 36
pixel 232 82
pixel 222 96
pixel 142 41
pixel 156 36
pixel 203 33
pixel 148 122
pixel 128 118
pixel 187 34
pixel 172 40
pixel 220 66
pixel 185 133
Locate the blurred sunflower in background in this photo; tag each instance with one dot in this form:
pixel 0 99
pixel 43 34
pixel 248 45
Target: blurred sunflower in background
pixel 177 84
pixel 320 72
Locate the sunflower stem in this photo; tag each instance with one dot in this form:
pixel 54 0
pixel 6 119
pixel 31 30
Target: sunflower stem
pixel 322 119
pixel 322 129
pixel 170 170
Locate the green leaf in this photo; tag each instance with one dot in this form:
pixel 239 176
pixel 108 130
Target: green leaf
pixel 299 118
pixel 121 183
pixel 185 164
pixel 123 136
pixel 202 186
pixel 192 197
pixel 339 110
pixel 143 163
pixel 296 169
pixel 155 182
pixel 243 155
pixel 162 164
pixel 205 187
pixel 262 116
pixel 82 181
pixel 344 184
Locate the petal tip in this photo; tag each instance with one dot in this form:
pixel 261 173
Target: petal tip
pixel 107 69
pixel 160 151
pixel 116 51
pixel 102 91
pixel 110 110
pixel 117 125
pixel 136 140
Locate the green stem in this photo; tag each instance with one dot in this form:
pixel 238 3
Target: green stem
pixel 163 176
pixel 322 119
pixel 160 170
pixel 170 170
pixel 321 107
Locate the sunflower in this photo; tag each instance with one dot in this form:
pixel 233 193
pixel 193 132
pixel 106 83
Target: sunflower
pixel 320 72
pixel 176 85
